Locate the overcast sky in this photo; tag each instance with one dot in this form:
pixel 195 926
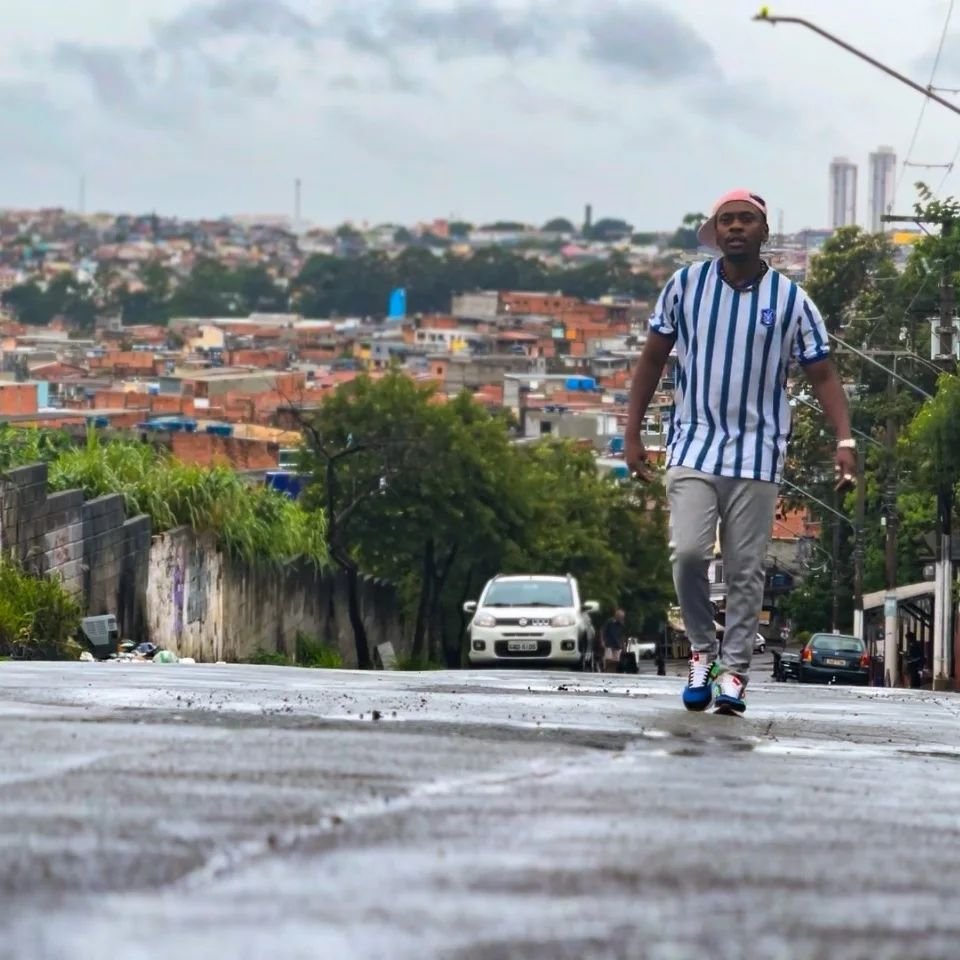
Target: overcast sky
pixel 405 110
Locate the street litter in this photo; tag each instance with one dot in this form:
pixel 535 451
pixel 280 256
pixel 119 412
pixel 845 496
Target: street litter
pixel 129 652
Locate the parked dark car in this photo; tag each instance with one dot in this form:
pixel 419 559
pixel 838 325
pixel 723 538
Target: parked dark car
pixel 834 658
pixel 786 665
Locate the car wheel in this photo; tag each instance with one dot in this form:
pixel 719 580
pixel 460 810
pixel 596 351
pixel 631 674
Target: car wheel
pixel 762 648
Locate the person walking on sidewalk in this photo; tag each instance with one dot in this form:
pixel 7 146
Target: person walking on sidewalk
pixel 736 325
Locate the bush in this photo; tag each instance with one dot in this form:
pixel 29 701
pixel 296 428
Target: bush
pixel 38 618
pixel 416 664
pixel 308 652
pixel 312 652
pixel 255 523
pixel 270 658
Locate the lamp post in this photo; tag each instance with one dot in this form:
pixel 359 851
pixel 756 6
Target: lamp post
pixel 764 16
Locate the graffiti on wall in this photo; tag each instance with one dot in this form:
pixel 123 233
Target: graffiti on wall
pixel 179 583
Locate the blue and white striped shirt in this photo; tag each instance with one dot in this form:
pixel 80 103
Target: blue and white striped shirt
pixel 731 414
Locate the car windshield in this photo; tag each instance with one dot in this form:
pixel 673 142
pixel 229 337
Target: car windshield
pixel 529 593
pixel 836 644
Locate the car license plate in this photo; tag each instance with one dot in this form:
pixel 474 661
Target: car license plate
pixel 834 663
pixel 522 646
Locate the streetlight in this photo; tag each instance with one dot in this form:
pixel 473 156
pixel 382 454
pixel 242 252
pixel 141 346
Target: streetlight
pixel 764 16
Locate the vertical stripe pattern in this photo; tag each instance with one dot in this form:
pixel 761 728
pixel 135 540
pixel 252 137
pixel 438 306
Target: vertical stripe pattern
pixel 734 351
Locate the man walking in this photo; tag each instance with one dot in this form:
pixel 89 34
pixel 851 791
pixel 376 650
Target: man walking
pixel 736 326
pixel 613 634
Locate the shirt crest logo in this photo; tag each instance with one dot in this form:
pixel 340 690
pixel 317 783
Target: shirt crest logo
pixel 768 317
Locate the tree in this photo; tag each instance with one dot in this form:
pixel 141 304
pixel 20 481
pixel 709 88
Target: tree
pixel 857 287
pixel 206 292
pixel 257 291
pixel 459 229
pixel 842 275
pixel 609 229
pixel 558 225
pixel 432 495
pixel 28 303
pixel 505 226
pixel 412 486
pixel 360 285
pixel 685 237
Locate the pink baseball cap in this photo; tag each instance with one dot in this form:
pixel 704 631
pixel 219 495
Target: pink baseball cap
pixel 707 234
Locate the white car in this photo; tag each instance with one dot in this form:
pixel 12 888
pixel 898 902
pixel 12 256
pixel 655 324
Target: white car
pixel 531 619
pixel 759 643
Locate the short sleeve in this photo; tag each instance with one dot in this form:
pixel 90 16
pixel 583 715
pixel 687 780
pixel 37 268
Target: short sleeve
pixel 663 320
pixel 811 342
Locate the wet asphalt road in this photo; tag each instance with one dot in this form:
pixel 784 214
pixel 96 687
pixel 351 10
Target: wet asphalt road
pixel 179 811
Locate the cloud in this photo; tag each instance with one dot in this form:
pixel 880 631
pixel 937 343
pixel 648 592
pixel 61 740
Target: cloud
pixel 202 23
pixel 468 28
pixel 647 42
pixel 216 49
pixel 948 66
pixel 537 101
pixel 233 51
pixel 36 129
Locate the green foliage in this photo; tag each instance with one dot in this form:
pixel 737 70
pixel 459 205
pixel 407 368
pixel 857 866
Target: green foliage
pixel 360 286
pixel 20 446
pixel 433 496
pixel 850 266
pixel 856 284
pixel 931 443
pixel 413 664
pixel 270 658
pixel 308 652
pixel 38 619
pixel 558 225
pixel 64 296
pixel 609 229
pixel 685 237
pixel 312 652
pixel 255 523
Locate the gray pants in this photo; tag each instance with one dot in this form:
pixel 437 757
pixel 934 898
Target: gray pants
pixel 745 509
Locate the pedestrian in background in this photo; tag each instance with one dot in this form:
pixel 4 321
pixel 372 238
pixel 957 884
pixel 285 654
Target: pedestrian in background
pixel 614 631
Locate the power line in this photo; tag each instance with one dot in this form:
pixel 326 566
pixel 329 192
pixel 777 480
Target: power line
pixel 926 100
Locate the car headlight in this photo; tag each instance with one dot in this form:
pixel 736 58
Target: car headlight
pixel 562 620
pixel 484 620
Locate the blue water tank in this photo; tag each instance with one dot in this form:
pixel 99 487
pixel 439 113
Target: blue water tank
pixel 616 444
pixel 285 482
pixel 220 429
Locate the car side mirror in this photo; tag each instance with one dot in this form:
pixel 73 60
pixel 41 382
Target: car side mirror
pixel 470 606
pixel 590 606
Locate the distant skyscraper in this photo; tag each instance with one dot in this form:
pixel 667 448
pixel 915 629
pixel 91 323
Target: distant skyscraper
pixel 843 193
pixel 883 179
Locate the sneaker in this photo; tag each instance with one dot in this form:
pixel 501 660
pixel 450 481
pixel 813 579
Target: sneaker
pixel 731 693
pixel 698 692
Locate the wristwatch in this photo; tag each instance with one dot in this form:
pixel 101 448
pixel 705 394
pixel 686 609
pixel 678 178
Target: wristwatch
pixel 848 444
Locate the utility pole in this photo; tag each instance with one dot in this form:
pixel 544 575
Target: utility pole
pixel 858 546
pixel 943 666
pixel 891 626
pixel 835 552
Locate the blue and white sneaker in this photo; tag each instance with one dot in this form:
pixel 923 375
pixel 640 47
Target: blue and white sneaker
pixel 731 694
pixel 698 692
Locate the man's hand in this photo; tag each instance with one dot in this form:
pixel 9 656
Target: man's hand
pixel 636 459
pixel 845 469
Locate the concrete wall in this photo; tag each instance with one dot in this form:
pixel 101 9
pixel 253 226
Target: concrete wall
pixel 205 605
pixel 177 590
pixel 91 546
